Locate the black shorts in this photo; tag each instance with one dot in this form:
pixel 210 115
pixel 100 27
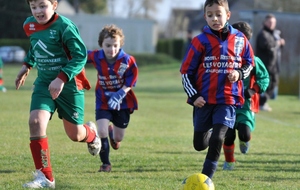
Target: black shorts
pixel 118 118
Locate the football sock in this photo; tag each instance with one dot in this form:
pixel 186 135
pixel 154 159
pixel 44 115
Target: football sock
pixel 104 152
pixel 229 153
pixel 90 134
pixel 209 167
pixel 1 84
pixel 41 155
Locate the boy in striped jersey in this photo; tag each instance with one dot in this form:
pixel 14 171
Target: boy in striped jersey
pixel 117 74
pixel 212 72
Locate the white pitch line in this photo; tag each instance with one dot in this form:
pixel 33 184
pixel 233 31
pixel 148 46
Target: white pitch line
pixel 277 121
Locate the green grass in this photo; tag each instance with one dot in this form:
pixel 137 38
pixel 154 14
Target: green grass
pixel 157 152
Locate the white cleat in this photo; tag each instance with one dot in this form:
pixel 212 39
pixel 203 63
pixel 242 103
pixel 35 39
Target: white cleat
pixel 40 181
pixel 95 146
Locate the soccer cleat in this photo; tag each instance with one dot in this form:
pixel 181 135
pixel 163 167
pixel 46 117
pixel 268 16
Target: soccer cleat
pixel 113 144
pixel 95 146
pixel 3 89
pixel 105 168
pixel 244 147
pixel 228 165
pixel 265 107
pixel 40 181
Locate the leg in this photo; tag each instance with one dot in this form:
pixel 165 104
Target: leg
pixel 201 140
pixel 84 133
pixel 120 122
pixel 118 134
pixel 77 133
pixel 244 133
pixel 39 147
pixel 105 149
pixel 38 122
pixel 228 148
pixel 214 149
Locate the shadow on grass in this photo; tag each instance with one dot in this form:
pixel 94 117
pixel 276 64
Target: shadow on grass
pixel 7 171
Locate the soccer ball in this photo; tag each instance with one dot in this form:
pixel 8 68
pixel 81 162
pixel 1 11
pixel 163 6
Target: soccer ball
pixel 197 181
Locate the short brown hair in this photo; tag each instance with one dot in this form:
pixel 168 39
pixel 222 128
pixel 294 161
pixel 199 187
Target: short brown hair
pixel 223 3
pixel 268 16
pixel 111 31
pixel 244 27
pixel 28 1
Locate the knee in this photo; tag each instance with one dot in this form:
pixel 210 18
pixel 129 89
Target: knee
pixel 200 145
pixel 244 133
pixel 230 137
pixel 103 131
pixel 33 123
pixel 118 137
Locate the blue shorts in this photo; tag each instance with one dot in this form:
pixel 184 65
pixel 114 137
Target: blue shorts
pixel 205 117
pixel 118 118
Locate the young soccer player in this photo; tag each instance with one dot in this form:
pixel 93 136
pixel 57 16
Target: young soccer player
pixel 2 88
pixel 255 84
pixel 212 72
pixel 59 55
pixel 117 73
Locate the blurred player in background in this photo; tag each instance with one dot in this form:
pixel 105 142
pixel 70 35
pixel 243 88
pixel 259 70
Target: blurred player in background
pixel 254 85
pixel 59 55
pixel 117 73
pixel 2 88
pixel 212 73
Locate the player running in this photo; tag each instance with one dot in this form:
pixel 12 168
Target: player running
pixel 59 55
pixel 212 72
pixel 115 99
pixel 255 84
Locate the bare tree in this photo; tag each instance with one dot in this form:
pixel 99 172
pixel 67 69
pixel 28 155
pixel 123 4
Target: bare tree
pixel 141 8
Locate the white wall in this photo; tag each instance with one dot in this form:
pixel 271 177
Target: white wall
pixel 140 34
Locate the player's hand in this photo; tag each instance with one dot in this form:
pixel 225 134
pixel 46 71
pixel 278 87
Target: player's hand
pixel 21 77
pixel 56 87
pixel 199 102
pixel 115 99
pixel 233 76
pixel 248 93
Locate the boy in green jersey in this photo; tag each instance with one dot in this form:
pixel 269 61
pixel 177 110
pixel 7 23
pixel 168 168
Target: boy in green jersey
pixel 59 54
pixel 255 84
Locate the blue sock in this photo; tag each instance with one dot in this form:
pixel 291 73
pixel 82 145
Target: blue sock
pixel 209 167
pixel 104 152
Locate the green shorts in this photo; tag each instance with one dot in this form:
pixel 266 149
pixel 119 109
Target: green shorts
pixel 69 104
pixel 246 117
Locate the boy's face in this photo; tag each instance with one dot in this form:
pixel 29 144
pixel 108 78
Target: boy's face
pixel 111 47
pixel 216 16
pixel 42 10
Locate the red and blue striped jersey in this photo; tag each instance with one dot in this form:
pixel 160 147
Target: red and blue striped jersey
pixel 112 77
pixel 208 62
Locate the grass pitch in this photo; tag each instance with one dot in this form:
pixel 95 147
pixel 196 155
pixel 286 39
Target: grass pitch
pixel 157 151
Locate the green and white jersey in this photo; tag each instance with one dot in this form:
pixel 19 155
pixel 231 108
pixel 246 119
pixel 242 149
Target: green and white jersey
pixel 55 47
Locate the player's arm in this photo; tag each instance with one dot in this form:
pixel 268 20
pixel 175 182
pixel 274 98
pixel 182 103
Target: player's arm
pixel 261 75
pixel 189 67
pixel 247 61
pixel 131 73
pixel 75 50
